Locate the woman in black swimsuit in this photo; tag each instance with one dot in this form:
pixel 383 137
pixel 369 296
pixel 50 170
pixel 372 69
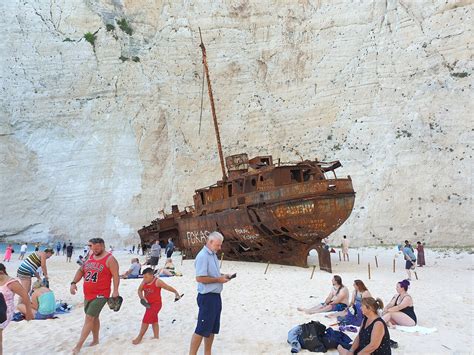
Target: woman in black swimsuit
pixel 373 337
pixel 400 310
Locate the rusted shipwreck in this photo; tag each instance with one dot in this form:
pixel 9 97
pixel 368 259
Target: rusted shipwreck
pixel 267 211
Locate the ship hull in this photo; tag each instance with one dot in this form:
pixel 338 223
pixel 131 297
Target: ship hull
pixel 281 233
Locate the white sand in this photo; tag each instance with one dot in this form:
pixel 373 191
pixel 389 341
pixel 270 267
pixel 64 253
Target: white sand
pixel 260 309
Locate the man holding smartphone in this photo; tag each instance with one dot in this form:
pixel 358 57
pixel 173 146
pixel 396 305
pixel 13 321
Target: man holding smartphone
pixel 210 284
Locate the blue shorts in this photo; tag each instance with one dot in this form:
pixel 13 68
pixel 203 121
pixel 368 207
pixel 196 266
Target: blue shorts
pixel 336 307
pixel 40 316
pixel 339 307
pixel 209 317
pixel 408 265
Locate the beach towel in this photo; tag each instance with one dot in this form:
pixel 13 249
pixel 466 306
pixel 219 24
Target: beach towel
pixel 416 328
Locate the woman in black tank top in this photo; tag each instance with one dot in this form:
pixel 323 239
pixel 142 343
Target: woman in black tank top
pixel 400 310
pixel 373 337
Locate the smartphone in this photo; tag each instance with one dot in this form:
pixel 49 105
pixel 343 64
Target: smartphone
pixel 177 299
pixel 233 276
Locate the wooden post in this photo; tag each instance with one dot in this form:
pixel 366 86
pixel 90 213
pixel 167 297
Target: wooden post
pixel 182 257
pixel 222 259
pixel 416 275
pixel 314 268
pixel 358 259
pixel 340 255
pixel 376 261
pixel 394 265
pixel 368 265
pixel 268 264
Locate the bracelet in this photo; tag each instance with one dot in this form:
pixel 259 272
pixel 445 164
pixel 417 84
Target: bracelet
pixel 73 283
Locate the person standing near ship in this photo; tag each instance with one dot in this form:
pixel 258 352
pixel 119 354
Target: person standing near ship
pixel 420 248
pixel 169 249
pixel 155 254
pixel 210 284
pixel 345 248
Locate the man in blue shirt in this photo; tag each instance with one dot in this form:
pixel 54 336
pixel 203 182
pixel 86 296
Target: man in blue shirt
pixel 210 283
pixel 169 249
pixel 410 258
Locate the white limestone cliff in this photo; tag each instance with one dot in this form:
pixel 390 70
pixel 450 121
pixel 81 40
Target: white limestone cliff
pixel 96 138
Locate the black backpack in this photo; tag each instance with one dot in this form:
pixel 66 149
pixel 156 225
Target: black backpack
pixel 3 309
pixel 312 335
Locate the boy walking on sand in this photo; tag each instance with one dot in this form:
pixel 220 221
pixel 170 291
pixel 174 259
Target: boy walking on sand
pixel 150 297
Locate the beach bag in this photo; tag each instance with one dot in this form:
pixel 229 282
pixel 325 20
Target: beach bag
pixel 311 336
pixel 3 308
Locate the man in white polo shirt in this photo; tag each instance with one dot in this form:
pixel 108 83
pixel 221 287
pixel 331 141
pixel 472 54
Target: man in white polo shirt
pixel 210 284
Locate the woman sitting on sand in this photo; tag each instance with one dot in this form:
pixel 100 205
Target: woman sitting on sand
pixel 134 271
pixel 360 292
pixel 400 310
pixel 337 300
pixel 169 270
pixel 43 302
pixel 8 288
pixel 373 337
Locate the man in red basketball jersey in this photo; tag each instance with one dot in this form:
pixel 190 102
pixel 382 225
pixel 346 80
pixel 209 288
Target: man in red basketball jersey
pixel 98 272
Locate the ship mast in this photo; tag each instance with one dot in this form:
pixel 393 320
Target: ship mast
pixel 213 109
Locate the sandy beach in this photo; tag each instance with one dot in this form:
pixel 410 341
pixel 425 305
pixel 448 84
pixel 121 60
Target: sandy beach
pixel 260 309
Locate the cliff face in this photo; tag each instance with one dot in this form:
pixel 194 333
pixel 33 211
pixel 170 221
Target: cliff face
pixel 97 135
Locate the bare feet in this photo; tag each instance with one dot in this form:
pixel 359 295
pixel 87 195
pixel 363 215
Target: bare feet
pixel 76 351
pixel 136 341
pixel 93 343
pixel 156 338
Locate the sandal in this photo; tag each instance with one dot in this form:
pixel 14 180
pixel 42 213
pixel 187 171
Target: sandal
pixel 145 303
pixel 115 303
pixel 348 328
